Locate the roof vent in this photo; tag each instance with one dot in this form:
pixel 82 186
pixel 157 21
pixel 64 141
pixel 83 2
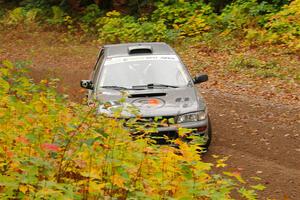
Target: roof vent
pixel 139 49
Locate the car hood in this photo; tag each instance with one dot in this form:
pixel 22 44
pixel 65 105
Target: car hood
pixel 150 102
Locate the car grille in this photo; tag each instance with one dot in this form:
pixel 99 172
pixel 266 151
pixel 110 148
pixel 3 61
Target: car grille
pixel 140 126
pixel 147 122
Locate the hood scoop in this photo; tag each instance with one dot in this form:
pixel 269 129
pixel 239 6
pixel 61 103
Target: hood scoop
pixel 146 95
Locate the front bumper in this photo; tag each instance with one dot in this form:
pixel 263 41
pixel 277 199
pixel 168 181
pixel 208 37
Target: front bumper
pixel 164 135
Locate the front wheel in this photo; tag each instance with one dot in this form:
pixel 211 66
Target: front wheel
pixel 207 136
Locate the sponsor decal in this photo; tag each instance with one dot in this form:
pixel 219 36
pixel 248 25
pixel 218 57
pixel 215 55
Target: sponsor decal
pixel 111 61
pixel 149 103
pixel 183 101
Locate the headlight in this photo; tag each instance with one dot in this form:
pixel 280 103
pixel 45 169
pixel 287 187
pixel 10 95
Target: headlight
pixel 192 117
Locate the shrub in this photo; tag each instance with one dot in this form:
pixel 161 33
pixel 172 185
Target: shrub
pixel 244 14
pixel 15 16
pixel 263 22
pixel 91 13
pixel 58 15
pixel 115 27
pixel 21 15
pixel 284 26
pixel 189 19
pixel 167 23
pixel 52 148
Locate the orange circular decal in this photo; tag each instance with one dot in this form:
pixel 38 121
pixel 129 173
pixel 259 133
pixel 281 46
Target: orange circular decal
pixel 153 101
pixel 149 103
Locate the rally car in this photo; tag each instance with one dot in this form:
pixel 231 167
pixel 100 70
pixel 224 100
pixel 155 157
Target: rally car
pixel 155 81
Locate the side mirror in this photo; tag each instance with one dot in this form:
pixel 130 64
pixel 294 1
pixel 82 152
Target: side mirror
pixel 200 79
pixel 87 84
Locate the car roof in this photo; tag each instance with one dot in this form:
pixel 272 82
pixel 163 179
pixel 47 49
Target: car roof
pixel 156 48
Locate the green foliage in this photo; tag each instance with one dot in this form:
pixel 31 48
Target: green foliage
pixel 15 16
pixel 33 14
pixel 263 22
pixel 190 19
pixel 20 15
pixel 245 62
pixel 88 21
pixel 167 23
pixel 243 14
pixel 248 194
pixel 91 13
pixel 57 15
pixel 117 28
pixel 284 26
pixel 266 69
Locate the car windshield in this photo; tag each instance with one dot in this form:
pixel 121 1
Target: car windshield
pixel 143 71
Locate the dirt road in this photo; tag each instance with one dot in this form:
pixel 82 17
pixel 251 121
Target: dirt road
pixel 262 137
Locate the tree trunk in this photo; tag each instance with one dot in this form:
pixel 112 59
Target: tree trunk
pixel 74 5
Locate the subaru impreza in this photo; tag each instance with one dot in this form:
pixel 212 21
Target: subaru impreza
pixel 156 82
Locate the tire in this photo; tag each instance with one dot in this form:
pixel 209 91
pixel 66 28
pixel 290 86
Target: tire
pixel 209 135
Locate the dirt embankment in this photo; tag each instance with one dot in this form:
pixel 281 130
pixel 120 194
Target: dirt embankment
pixel 261 136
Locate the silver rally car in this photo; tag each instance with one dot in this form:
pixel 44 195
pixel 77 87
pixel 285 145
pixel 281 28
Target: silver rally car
pixel 156 82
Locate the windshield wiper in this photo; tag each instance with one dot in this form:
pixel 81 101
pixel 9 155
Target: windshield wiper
pixel 154 85
pixel 114 87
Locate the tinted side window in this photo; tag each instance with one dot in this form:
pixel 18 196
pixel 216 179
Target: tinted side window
pixel 97 65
